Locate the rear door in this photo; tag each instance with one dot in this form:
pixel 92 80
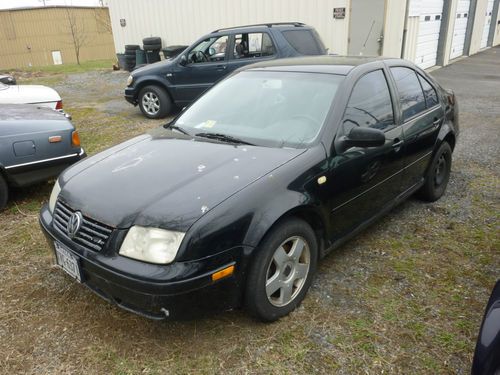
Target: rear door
pixel 362 181
pixel 422 117
pixel 249 48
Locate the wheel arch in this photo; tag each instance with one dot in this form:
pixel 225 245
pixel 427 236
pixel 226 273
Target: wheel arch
pixel 152 81
pixel 311 216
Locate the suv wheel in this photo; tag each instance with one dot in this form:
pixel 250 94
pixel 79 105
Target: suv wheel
pixel 154 102
pixel 282 270
pixel 438 175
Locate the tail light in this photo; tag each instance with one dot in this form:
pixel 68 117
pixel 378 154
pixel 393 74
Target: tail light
pixel 59 105
pixel 451 97
pixel 75 139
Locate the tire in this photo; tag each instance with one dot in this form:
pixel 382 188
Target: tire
pixel 438 174
pixel 151 40
pixel 151 47
pixel 154 94
pixel 131 47
pixel 4 192
pixel 274 263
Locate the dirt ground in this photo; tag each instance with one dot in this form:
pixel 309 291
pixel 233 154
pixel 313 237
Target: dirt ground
pixel 406 296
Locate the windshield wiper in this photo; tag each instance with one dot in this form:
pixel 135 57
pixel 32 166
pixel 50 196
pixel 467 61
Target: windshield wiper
pixel 224 138
pixel 175 127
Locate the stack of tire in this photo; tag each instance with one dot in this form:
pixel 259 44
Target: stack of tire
pixel 130 56
pixel 152 47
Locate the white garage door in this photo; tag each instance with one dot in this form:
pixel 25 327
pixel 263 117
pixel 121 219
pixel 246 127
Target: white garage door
pixel 431 13
pixel 487 23
pixel 460 28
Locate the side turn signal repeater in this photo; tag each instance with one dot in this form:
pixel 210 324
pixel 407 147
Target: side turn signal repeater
pixel 225 272
pixel 75 139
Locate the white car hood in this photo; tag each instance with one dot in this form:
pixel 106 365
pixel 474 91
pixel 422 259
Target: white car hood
pixel 29 94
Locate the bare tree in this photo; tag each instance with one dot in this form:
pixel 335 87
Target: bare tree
pixel 77 30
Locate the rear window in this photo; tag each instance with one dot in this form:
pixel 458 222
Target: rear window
pixel 305 42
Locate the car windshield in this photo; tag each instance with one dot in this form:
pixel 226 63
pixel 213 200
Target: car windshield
pixel 3 86
pixel 274 109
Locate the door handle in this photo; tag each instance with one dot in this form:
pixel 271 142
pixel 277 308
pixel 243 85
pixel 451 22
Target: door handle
pixel 436 122
pixel 397 143
pixel 221 67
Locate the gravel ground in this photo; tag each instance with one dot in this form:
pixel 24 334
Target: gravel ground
pixel 406 296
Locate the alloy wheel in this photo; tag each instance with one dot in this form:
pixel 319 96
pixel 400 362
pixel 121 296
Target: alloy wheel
pixel 440 170
pixel 151 103
pixel 287 272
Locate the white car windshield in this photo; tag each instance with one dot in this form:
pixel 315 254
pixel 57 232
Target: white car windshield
pixel 276 109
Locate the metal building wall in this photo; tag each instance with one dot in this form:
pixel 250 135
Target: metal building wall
pixel 44 30
pixel 184 21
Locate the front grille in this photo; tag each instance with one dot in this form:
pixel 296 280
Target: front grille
pixel 92 235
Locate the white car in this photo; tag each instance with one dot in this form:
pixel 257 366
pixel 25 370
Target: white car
pixel 30 94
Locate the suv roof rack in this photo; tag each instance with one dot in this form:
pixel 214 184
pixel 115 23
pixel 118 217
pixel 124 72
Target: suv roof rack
pixel 295 24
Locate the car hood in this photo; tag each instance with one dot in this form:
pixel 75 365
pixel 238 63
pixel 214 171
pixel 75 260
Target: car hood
pixel 152 68
pixel 164 179
pixel 29 94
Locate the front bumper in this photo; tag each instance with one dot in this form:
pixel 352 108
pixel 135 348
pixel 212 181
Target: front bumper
pixel 131 95
pixel 178 291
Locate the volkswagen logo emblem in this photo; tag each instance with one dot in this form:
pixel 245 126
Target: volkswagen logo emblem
pixel 74 224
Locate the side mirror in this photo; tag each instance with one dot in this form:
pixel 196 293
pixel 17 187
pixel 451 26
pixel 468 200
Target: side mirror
pixel 183 60
pixel 211 51
pixel 362 137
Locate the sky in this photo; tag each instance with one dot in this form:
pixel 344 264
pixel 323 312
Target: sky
pixel 8 4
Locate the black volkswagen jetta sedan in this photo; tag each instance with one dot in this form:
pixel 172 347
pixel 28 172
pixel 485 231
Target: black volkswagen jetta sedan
pixel 233 203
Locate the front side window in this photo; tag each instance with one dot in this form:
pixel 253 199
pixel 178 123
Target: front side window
pixel 274 109
pixel 209 50
pixel 370 104
pixel 410 92
pixel 252 45
pixel 430 94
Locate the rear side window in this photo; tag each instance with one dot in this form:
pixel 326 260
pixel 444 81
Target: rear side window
pixel 304 42
pixel 370 104
pixel 252 45
pixel 430 93
pixel 410 92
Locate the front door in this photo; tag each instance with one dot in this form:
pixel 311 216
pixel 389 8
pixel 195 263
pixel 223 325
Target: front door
pixel 362 181
pixel 206 64
pixel 366 27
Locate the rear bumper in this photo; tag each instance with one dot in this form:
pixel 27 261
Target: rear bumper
pixel 25 174
pixel 178 291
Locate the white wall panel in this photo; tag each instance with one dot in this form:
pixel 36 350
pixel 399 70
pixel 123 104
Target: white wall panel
pixel 184 21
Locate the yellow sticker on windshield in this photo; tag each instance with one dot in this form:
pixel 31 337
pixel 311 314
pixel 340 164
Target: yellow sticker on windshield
pixel 209 124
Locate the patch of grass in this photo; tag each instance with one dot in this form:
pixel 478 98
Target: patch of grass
pixel 71 68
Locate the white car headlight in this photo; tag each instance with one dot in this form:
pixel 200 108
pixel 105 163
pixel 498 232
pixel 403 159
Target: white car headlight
pixel 53 196
pixel 130 79
pixel 151 245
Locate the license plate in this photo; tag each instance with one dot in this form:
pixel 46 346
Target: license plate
pixel 68 262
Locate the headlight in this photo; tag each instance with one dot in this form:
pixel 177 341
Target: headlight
pixel 130 79
pixel 53 196
pixel 151 245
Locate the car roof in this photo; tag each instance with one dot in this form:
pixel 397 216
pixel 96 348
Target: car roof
pixel 316 64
